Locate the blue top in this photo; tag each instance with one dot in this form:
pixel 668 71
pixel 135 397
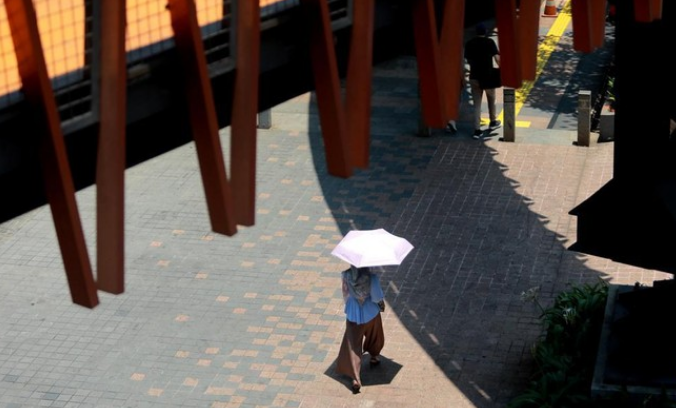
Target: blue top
pixel 361 314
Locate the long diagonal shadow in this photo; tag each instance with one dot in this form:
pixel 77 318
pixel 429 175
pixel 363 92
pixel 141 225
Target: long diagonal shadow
pixel 256 317
pixel 481 238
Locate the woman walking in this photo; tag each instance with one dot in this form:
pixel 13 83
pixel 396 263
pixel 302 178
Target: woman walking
pixel 363 297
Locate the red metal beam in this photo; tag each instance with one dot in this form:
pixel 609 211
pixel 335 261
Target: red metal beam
pixel 359 77
pixel 190 48
pixel 646 11
pixel 451 55
pixel 56 171
pixel 429 64
pixel 327 88
pixel 111 150
pixel 582 31
pixel 656 7
pixel 508 39
pixel 244 112
pixel 529 26
pixel 598 22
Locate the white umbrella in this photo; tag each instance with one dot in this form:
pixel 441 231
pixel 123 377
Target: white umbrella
pixel 372 248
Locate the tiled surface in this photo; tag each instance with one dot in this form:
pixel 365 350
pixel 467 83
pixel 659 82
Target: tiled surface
pixel 255 320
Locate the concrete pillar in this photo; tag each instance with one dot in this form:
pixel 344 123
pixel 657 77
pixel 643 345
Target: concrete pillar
pixel 509 114
pixel 265 119
pixel 583 117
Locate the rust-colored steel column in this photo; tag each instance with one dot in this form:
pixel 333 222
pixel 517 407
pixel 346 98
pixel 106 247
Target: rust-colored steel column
pixel 646 11
pixel 203 115
pixel 656 8
pixel 451 56
pixel 429 65
pixel 359 77
pixel 529 21
pixel 327 87
pixel 582 31
pixel 110 161
pixel 598 22
pixel 508 38
pixel 245 111
pixel 56 171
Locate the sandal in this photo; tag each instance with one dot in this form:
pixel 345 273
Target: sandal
pixel 355 387
pixel 375 360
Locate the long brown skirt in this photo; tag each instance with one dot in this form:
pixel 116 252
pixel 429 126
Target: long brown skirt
pixel 357 340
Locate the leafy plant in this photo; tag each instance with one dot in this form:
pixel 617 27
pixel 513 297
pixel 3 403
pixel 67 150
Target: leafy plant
pixel 610 92
pixel 565 354
pixel 553 389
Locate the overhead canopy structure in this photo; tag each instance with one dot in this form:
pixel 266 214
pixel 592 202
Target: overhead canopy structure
pixel 136 87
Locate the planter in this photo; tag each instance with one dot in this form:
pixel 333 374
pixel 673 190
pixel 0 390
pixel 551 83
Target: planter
pixel 636 357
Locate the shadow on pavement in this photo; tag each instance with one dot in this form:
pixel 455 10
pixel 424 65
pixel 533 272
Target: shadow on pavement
pixel 384 373
pixel 481 239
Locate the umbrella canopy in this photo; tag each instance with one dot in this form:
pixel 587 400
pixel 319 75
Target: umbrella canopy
pixel 372 248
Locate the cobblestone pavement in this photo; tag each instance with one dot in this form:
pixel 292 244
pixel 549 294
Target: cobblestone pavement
pixel 255 320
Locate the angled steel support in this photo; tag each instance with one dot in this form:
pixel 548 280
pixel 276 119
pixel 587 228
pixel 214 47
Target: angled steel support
pixel 110 162
pixel 589 21
pixel 359 78
pixel 327 88
pixel 508 39
pixel 244 111
pixel 529 26
pixel 451 55
pixel 57 176
pixel 203 115
pixel 599 9
pixel 582 29
pixel 646 11
pixel 430 71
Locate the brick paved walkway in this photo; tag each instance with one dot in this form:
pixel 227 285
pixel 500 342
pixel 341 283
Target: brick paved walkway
pixel 255 320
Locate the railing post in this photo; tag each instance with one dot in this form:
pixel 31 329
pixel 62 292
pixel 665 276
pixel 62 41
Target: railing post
pixel 509 114
pixel 583 117
pixel 265 119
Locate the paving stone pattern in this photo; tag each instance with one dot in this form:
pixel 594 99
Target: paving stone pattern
pixel 255 320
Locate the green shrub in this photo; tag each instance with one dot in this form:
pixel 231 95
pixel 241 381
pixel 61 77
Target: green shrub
pixel 565 354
